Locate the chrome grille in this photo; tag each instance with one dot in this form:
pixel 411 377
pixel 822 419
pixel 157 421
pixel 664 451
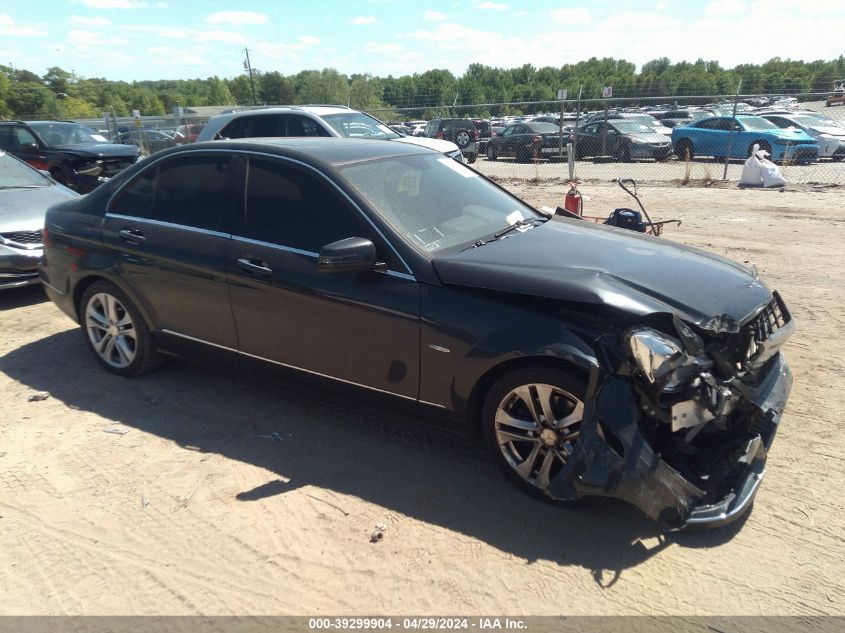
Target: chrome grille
pixel 24 239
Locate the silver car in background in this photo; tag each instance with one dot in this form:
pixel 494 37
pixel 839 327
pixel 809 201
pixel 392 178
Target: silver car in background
pixel 25 195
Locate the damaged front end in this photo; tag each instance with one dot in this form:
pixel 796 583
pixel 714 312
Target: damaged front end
pixel 679 424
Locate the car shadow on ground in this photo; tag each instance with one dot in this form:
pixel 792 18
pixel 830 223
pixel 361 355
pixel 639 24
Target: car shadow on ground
pixel 21 297
pixel 314 436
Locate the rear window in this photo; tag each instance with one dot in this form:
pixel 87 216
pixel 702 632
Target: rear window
pixel 458 124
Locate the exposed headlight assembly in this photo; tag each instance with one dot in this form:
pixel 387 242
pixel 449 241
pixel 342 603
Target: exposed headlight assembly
pixel 662 359
pixel 90 169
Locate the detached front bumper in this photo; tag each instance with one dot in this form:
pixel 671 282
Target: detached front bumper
pixel 613 457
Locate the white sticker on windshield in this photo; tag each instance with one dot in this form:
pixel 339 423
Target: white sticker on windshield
pixel 99 139
pixel 454 165
pixel 514 217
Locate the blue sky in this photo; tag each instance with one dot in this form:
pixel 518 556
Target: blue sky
pixel 171 39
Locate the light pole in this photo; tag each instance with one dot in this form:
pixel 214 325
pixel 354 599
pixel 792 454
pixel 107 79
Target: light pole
pixel 57 95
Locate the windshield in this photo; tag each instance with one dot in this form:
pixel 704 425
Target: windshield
pixel 359 125
pixel 14 173
pixel 757 123
pixel 645 119
pixel 632 127
pixel 435 202
pixel 67 134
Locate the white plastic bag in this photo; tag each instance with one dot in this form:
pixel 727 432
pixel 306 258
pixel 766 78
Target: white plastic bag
pixel 771 174
pixel 752 171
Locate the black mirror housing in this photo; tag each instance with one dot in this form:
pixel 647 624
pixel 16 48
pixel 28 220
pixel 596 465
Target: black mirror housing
pixel 353 254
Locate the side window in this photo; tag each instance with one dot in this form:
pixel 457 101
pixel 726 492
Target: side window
pixel 24 137
pixel 136 199
pixel 779 121
pixel 303 126
pixel 195 192
pixel 290 207
pixel 5 137
pixel 508 131
pixel 255 126
pixel 713 124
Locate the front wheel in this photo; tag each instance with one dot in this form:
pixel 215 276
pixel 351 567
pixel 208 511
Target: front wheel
pixel 531 421
pixel 491 152
pixel 471 158
pixel 115 331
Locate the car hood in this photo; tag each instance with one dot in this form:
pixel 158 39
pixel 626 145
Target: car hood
pixel 791 133
pixel 833 131
pixel 99 150
pixel 573 260
pixel 437 144
pixel 23 209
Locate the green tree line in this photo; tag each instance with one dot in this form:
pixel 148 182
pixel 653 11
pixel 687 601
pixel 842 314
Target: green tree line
pixel 61 94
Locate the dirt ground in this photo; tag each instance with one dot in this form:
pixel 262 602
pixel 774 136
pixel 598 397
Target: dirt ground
pixel 202 491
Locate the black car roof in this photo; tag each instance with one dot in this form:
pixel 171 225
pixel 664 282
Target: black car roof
pixel 328 150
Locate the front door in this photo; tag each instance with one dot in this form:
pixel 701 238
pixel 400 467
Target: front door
pixel 361 328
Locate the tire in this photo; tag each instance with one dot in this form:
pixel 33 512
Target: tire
pixel 623 154
pixel 462 138
pixel 471 158
pixel 115 331
pixel 683 148
pixel 531 463
pixel 491 152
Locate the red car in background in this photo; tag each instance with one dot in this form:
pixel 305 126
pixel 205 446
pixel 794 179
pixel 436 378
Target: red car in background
pixel 188 133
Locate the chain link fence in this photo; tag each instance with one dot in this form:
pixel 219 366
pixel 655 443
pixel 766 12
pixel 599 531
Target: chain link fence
pixel 603 145
pixel 600 135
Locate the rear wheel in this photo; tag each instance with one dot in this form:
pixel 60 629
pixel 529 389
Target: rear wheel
pixel 623 154
pixel 491 152
pixel 683 150
pixel 471 158
pixel 115 331
pixel 531 421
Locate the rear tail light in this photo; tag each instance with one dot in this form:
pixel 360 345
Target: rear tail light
pixel 536 138
pixel 439 135
pixel 475 135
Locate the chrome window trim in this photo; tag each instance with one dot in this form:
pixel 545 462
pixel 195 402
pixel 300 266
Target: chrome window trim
pixel 275 362
pixel 394 273
pixel 196 229
pixel 149 162
pixel 281 247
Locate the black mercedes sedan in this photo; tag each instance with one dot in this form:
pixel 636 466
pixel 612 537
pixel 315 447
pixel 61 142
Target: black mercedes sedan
pixel 594 361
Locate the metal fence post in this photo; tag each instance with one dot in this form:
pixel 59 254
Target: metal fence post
pixel 731 134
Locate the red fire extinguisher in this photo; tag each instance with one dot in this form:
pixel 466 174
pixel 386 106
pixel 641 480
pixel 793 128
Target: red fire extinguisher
pixel 574 203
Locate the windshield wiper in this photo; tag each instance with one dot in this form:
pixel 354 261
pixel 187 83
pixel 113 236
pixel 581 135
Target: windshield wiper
pixel 516 225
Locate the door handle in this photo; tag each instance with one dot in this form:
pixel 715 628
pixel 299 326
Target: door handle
pixel 255 266
pixel 132 236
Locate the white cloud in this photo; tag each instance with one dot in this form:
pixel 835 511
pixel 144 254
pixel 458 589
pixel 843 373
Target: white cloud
pixel 236 17
pixel 164 56
pixel 8 26
pixel 89 21
pixel 725 7
pixel 84 39
pixel 434 16
pixel 571 16
pixel 114 4
pixel 308 40
pixel 663 4
pixel 363 19
pixel 641 21
pixel 162 5
pixel 233 37
pixel 491 6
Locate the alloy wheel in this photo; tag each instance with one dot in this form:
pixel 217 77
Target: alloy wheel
pixel 111 331
pixel 536 428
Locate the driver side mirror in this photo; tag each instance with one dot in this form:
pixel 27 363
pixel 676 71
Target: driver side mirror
pixel 353 254
pixel 29 147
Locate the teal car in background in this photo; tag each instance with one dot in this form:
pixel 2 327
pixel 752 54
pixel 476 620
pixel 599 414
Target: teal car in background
pixel 721 136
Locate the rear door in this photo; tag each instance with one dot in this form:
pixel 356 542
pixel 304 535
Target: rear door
pixel 169 229
pixel 361 328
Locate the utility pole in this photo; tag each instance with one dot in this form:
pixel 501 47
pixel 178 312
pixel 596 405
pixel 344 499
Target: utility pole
pixel 251 83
